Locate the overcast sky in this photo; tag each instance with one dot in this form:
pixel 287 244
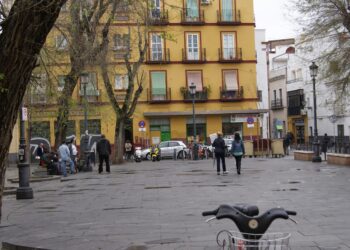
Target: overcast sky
pixel 271 15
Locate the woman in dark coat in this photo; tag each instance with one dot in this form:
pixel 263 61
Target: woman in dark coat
pixel 219 145
pixel 325 143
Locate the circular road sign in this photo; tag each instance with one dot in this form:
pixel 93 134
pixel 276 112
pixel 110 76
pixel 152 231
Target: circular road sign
pixel 142 124
pixel 250 120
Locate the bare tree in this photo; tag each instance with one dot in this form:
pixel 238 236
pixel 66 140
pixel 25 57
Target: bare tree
pixel 20 45
pixel 82 32
pixel 326 26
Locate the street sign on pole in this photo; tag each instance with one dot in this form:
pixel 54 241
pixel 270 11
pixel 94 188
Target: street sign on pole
pixel 250 120
pixel 142 124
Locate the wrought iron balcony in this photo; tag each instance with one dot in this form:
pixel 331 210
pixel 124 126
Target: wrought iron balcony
pixel 295 110
pixel 159 17
pixel 194 57
pixel 154 98
pixel 200 96
pixel 277 104
pixel 190 17
pixel 158 58
pixel 231 95
pixel 233 18
pixel 92 95
pixel 230 55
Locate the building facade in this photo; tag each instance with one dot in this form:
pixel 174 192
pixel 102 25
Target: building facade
pixel 210 44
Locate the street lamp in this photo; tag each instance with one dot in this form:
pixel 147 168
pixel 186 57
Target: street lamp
pixel 24 191
pixel 84 80
pixel 313 72
pixel 193 94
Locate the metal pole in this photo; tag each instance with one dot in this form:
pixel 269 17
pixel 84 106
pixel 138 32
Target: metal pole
pixel 24 191
pixel 316 157
pixel 194 120
pixel 85 110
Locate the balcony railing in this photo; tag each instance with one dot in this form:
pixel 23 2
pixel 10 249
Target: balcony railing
pixel 277 104
pixel 231 95
pixel 294 110
pixel 158 17
pixel 92 95
pixel 194 57
pixel 229 17
pixel 192 17
pixel 158 58
pixel 38 98
pixel 230 55
pixel 159 98
pixel 200 96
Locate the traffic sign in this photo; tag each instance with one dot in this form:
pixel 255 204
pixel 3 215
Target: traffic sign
pixel 142 124
pixel 250 120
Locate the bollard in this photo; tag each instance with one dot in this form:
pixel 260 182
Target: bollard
pixel 175 158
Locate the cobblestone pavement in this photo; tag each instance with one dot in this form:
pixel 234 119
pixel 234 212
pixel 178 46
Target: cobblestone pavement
pixel 158 205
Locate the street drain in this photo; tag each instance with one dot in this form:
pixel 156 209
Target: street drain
pixel 119 208
pixel 293 189
pixel 159 187
pixel 47 207
pixel 294 182
pixel 283 189
pixel 163 241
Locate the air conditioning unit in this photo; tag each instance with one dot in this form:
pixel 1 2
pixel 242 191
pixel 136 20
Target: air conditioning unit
pixel 205 2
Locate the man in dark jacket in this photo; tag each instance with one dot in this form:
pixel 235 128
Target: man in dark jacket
pixel 219 145
pixel 103 150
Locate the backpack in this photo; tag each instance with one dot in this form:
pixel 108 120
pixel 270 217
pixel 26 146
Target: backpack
pixel 237 149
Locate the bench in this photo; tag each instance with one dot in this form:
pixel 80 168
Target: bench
pixel 338 159
pixel 302 155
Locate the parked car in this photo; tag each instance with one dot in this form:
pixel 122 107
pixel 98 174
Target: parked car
pixel 167 150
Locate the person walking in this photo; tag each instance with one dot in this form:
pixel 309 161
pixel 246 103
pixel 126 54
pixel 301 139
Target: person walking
pixel 40 154
pixel 74 153
pixel 104 150
pixel 65 158
pixel 325 143
pixel 128 150
pixel 219 150
pixel 237 150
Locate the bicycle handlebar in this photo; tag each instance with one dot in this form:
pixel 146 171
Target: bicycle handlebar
pixel 249 223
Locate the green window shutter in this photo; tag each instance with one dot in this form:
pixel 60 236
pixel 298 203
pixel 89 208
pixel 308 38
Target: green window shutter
pixel 158 83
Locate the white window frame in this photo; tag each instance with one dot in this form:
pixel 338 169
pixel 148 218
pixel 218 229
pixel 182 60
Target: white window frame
pixel 228 45
pixel 121 82
pixel 193 46
pixel 157 47
pixel 155 9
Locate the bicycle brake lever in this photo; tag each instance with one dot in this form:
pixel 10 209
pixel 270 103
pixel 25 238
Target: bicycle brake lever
pixel 212 218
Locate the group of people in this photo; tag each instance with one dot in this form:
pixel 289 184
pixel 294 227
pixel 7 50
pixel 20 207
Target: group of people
pixel 237 150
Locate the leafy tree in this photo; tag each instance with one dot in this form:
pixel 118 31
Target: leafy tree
pixel 20 45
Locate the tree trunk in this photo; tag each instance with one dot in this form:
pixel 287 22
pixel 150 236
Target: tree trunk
pixel 119 139
pixel 20 45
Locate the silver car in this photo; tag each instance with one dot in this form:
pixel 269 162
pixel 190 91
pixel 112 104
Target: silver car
pixel 168 149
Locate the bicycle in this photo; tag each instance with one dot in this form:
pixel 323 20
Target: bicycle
pixel 252 228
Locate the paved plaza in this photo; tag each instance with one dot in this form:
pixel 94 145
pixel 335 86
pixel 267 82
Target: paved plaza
pixel 158 205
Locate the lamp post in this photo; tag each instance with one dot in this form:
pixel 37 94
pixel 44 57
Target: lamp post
pixel 24 191
pixel 313 72
pixel 84 80
pixel 193 94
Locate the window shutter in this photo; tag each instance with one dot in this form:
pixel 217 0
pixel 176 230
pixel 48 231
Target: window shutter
pixel 230 78
pixel 158 83
pixel 196 78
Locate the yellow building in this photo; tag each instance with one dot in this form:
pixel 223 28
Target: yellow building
pixel 203 42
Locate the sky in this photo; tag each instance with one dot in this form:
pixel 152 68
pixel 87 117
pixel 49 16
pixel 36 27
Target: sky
pixel 271 15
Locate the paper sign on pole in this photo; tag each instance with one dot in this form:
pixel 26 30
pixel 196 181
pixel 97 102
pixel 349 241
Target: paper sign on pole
pixel 24 114
pixel 250 125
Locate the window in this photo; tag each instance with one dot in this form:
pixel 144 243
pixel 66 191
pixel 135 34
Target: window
pixel 61 82
pixel 61 42
pixel 40 129
pixel 280 91
pixel 70 127
pixel 158 81
pixel 196 78
pixel 121 41
pixel 230 79
pixel 64 7
pixel 226 10
pixel 122 11
pixel 260 95
pixel 340 129
pixel 121 82
pixel 38 90
pixel 173 144
pixel 274 95
pixel 228 46
pixel 192 41
pixel 156 47
pixel 192 10
pixel 155 9
pixel 93 126
pixel 91 86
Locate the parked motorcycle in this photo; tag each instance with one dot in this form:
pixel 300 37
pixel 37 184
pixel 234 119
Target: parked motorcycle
pixel 155 153
pixel 137 154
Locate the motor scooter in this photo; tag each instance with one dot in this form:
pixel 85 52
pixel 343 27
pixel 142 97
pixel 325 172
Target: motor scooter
pixel 155 153
pixel 137 154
